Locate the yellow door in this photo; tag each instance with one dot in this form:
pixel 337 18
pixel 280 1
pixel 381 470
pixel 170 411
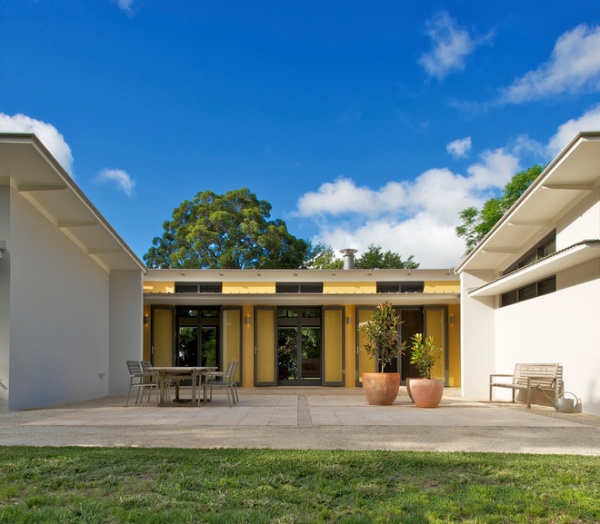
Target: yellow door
pixel 264 346
pixel 162 336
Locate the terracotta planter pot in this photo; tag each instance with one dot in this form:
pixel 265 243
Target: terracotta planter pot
pixel 426 392
pixel 381 389
pixel 408 389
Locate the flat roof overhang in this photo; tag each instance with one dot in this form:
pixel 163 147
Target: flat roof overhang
pixel 572 175
pixel 300 275
pixel 31 170
pixel 300 299
pixel 545 268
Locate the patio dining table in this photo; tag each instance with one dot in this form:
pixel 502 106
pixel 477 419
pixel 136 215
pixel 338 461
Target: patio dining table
pixel 177 373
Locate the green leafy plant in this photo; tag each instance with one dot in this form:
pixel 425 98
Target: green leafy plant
pixel 424 354
pixel 382 335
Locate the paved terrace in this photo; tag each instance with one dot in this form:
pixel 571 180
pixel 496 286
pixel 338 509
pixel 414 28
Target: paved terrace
pixel 307 418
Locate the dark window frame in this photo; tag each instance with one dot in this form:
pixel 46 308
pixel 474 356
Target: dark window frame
pixel 415 286
pixel 299 287
pixel 199 287
pixel 533 290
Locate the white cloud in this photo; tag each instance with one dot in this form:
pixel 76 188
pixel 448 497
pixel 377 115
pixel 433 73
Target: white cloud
pixel 589 121
pixel 124 182
pixel 343 196
pixel 459 148
pixel 433 244
pixel 125 5
pixel 495 169
pixel 47 133
pixel 415 217
pixel 450 46
pixel 574 67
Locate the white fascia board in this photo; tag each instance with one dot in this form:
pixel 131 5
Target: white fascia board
pixel 300 275
pixel 551 265
pixel 300 299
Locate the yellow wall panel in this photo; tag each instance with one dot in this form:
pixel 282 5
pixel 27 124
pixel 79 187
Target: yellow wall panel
pixel 232 334
pixel 248 287
pixel 349 287
pixel 163 337
pixel 442 286
pixel 159 287
pixel 454 346
pixel 265 345
pixel 333 322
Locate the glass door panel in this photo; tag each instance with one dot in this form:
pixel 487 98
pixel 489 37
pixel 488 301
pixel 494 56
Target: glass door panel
pixel 310 354
pixel 412 322
pixel 287 353
pixel 209 345
pixel 187 346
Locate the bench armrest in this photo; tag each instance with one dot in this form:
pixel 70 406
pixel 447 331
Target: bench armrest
pixel 500 375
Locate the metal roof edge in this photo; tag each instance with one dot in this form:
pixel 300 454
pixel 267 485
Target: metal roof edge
pixel 579 137
pixel 72 186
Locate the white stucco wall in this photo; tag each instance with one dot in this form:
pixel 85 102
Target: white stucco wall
pixel 560 327
pixel 4 295
pixel 59 307
pixel 477 336
pixel 126 326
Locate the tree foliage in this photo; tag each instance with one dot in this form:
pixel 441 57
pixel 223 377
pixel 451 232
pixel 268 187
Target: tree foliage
pixel 230 231
pixel 375 258
pixel 476 223
pixel 324 257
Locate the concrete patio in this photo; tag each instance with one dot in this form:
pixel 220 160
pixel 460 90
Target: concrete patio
pixel 307 418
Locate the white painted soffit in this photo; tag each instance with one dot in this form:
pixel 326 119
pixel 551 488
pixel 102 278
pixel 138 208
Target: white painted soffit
pixel 29 168
pixel 299 299
pixel 545 268
pixel 574 173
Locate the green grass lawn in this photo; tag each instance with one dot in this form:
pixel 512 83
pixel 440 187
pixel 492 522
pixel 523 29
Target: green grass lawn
pixel 93 485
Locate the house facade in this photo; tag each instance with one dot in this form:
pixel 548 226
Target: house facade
pixel 76 303
pixel 530 291
pixel 70 288
pixel 295 327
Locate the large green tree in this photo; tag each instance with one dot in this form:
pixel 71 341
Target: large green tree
pixel 476 223
pixel 230 231
pixel 376 258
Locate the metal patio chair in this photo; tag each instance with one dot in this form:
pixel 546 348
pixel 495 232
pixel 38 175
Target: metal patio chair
pixel 140 380
pixel 146 368
pixel 222 379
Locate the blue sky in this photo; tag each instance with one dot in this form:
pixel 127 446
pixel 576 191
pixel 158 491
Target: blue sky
pixel 360 122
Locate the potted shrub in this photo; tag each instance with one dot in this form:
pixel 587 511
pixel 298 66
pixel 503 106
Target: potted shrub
pixel 382 344
pixel 426 392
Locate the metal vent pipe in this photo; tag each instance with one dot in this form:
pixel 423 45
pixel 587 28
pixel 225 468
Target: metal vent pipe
pixel 348 257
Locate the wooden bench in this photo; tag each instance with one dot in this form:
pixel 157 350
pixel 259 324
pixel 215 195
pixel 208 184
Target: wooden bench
pixel 528 377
